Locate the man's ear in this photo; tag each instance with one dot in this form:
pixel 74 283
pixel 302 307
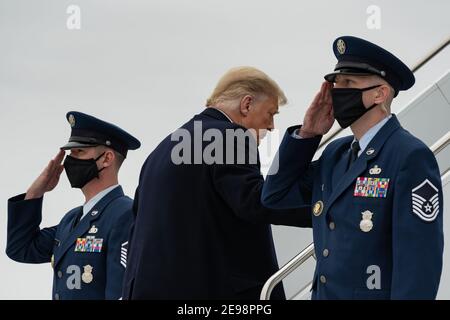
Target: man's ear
pixel 108 158
pixel 382 94
pixel 244 106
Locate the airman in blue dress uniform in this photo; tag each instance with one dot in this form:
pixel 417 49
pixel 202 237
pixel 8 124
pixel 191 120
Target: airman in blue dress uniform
pixel 88 248
pixel 376 197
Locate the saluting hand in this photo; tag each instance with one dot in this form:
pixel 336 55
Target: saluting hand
pixel 48 179
pixel 319 117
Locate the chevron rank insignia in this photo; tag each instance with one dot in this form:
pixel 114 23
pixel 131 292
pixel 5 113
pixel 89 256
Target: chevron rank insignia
pixel 123 254
pixel 425 201
pixel 371 187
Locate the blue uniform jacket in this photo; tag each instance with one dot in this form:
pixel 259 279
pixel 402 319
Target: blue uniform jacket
pixel 89 259
pixel 201 231
pixel 378 227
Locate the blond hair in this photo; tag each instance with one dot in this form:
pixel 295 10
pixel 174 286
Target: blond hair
pixel 386 106
pixel 241 81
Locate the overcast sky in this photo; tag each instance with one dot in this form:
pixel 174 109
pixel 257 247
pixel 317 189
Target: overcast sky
pixel 149 66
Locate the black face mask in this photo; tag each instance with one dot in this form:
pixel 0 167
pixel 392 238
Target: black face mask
pixel 348 105
pixel 81 171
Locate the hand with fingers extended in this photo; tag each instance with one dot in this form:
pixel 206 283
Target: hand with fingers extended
pixel 319 117
pixel 48 179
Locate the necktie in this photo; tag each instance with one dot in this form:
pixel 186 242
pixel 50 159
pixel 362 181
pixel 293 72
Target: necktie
pixel 77 218
pixel 355 149
pixel 354 153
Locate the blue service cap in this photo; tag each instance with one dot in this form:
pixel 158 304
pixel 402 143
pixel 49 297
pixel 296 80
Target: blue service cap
pixel 88 131
pixel 360 57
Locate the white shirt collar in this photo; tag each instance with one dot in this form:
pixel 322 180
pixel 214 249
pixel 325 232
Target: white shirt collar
pixel 370 134
pixel 99 196
pixel 224 114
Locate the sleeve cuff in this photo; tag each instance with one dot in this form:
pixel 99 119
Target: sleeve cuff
pixel 296 134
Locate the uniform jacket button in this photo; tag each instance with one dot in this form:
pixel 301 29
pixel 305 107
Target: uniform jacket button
pixel 60 274
pixel 323 279
pixel 56 296
pixel 325 252
pixel 332 225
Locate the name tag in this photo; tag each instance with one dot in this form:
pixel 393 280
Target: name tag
pixel 89 244
pixel 371 187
